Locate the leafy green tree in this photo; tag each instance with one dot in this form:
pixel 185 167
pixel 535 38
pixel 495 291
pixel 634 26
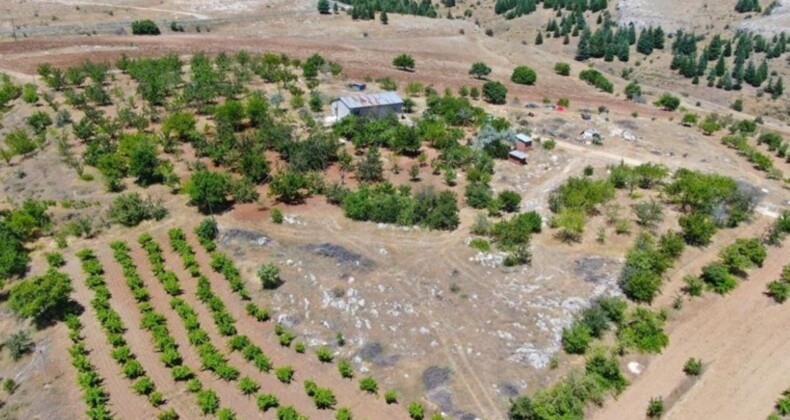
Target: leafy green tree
pixel 494 92
pixel 384 18
pixel 655 408
pixel 698 228
pixel 404 62
pixel 743 254
pixel 480 70
pixel 143 161
pixel 524 75
pixel 30 93
pixel 510 199
pixel 289 187
pixel 478 195
pixel 208 401
pixel 209 190
pixel 44 298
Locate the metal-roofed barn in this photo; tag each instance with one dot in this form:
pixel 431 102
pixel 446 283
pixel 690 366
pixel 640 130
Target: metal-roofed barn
pixel 376 105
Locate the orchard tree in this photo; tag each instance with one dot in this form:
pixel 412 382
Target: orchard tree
pixel 480 70
pixel 495 92
pixel 13 255
pixel 633 91
pixel 209 190
pixel 289 187
pixel 404 62
pixel 43 298
pixel 270 276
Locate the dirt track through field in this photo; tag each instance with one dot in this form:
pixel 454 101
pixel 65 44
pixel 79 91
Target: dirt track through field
pixel 745 360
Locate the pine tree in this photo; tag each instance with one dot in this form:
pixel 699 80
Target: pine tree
pixel 721 67
pixel 728 49
pixel 539 39
pixel 583 50
pixel 323 7
pixel 608 54
pixel 631 34
pixel 658 38
pixel 645 43
pixel 623 50
pixel 778 89
pixel 750 74
pixel 762 73
pixel 702 65
pixel 566 40
pixel 726 82
pixel 711 77
pixel 383 17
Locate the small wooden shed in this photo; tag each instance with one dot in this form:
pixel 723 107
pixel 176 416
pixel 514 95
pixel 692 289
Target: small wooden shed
pixel 523 142
pixel 517 156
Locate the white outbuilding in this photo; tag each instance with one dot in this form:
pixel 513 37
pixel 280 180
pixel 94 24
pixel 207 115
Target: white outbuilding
pixel 375 105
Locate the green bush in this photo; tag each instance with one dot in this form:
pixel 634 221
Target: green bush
pixel 19 344
pixel 604 368
pixel 655 408
pixel 324 354
pixel 595 78
pixel 145 27
pixel 369 385
pixel 692 367
pixel 717 276
pixel 563 69
pixel 391 396
pixel 643 330
pixel 494 92
pixel 267 401
pixel 269 274
pixel 523 75
pixel 44 298
pixel 131 209
pixel 698 228
pixel 576 338
pixel 668 102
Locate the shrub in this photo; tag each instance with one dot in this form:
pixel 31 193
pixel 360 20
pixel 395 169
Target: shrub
pixel 19 344
pixel 343 414
pixel 324 354
pixel 284 374
pixel 248 386
pixel 391 396
pixel 698 228
pixel 404 62
pixel 643 330
pixel 655 408
pixel 324 398
pixel 563 69
pixel 270 276
pixel 369 385
pixel 694 285
pixel 345 369
pixel 693 367
pixel 717 276
pixel 576 338
pixel 668 102
pixel 510 200
pixel 145 27
pixel 208 402
pixel 524 75
pixel 277 216
pixel 416 411
pixel 604 369
pixel 131 209
pixel 209 190
pixel 779 290
pixel 595 78
pixel 743 254
pixel 267 401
